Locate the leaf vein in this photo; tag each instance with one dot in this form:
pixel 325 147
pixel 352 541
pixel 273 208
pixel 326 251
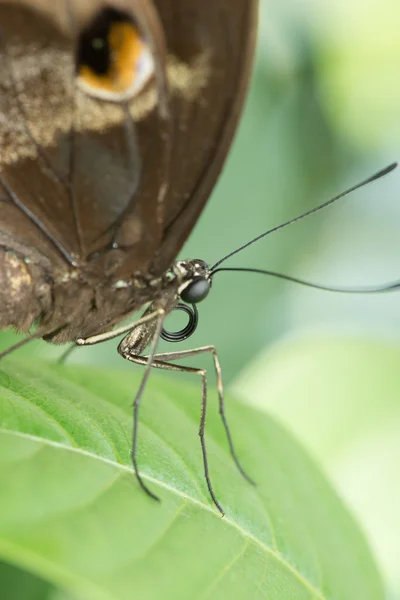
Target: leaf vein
pixel 246 534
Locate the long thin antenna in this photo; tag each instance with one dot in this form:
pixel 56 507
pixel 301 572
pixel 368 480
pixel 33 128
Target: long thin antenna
pixel 386 287
pixel 374 177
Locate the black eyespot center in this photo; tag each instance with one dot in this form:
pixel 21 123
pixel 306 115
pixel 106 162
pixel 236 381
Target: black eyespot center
pixel 196 291
pixel 93 47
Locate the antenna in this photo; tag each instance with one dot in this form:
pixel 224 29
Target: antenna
pixel 386 287
pixel 374 177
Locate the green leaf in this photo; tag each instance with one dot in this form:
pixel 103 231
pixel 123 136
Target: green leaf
pixel 339 394
pixel 72 513
pixel 20 584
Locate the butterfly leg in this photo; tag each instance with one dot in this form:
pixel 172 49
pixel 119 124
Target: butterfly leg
pixel 29 338
pixel 11 349
pixel 66 354
pixel 90 341
pixel 158 364
pixel 148 317
pixel 136 341
pixel 170 356
pixel 98 339
pixel 143 332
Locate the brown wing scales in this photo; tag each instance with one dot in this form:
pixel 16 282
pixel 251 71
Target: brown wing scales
pixel 216 40
pixel 114 145
pixel 72 162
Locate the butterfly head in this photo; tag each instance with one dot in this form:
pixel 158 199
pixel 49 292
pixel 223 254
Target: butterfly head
pixel 195 280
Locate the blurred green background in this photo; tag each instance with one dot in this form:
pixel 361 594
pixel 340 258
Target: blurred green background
pixel 322 114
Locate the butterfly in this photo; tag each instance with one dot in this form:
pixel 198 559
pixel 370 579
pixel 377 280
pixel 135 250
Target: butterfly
pixel 115 122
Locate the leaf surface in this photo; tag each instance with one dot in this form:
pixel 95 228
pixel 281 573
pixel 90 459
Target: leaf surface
pixel 72 513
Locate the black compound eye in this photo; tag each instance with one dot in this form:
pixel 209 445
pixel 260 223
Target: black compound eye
pixel 196 291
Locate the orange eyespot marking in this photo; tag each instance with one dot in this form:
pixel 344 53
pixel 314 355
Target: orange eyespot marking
pixel 116 66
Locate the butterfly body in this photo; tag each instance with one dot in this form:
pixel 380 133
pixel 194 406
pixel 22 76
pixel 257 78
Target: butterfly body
pixel 69 303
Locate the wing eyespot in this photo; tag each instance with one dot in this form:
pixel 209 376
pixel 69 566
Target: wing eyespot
pixel 114 62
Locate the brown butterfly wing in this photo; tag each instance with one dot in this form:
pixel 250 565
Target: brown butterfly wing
pixel 78 174
pixel 72 165
pixel 212 47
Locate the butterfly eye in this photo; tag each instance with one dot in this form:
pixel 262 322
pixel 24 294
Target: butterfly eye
pixel 114 62
pixel 196 291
